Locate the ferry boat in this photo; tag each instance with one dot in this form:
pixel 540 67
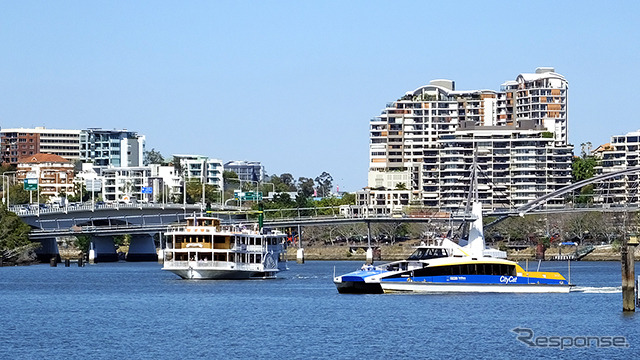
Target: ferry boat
pixel 206 249
pixel 449 267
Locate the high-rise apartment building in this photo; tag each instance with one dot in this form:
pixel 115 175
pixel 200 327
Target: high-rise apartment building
pixel 115 148
pixel 19 142
pixel 246 170
pixel 621 153
pixel 517 164
pixel 423 140
pixel 201 167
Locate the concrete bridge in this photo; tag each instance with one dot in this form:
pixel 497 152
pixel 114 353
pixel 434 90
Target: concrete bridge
pixel 144 222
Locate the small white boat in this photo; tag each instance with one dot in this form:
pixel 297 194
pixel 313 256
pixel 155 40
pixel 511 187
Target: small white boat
pixel 205 249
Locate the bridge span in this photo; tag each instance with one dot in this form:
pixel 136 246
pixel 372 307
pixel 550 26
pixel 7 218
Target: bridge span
pixel 144 221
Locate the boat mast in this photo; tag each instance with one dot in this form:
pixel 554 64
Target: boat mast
pixel 476 231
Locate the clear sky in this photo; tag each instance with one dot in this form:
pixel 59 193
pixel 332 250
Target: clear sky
pixel 293 84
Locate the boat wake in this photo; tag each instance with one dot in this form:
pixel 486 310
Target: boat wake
pixel 306 277
pixel 597 290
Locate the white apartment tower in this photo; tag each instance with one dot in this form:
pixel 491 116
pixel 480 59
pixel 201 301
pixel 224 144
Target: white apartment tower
pixel 419 137
pixel 621 153
pixel 203 168
pixel 114 148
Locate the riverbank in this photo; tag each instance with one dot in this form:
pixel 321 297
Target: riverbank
pixel 401 251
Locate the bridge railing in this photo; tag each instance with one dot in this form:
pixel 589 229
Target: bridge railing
pixel 31 210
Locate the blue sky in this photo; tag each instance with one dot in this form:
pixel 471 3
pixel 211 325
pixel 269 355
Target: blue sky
pixel 294 83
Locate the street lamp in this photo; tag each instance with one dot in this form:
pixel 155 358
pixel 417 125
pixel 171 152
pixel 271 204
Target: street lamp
pixel 273 185
pixel 6 190
pixel 202 203
pixel 239 197
pixel 257 184
pixel 184 193
pixel 225 203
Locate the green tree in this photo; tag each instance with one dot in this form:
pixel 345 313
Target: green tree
pixel 401 186
pixel 15 246
pixel 305 187
pixel 324 182
pixel 304 202
pixel 194 192
pixel 18 195
pixel 348 199
pixel 283 183
pixel 79 193
pixel 283 201
pixel 583 168
pixel 288 180
pixel 227 174
pixel 83 242
pixel 153 157
pixel 279 201
pixel 13 231
pixel 332 202
pixel 177 167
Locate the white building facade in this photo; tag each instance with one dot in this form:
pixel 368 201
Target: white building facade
pixel 411 140
pixel 126 184
pixel 206 170
pixel 246 170
pixel 53 174
pixel 115 148
pixel 621 153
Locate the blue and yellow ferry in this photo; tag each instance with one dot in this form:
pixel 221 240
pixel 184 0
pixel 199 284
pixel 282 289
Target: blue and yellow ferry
pixel 450 267
pixel 432 269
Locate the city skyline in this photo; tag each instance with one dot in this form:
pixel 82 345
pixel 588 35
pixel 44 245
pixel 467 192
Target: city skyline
pixel 293 85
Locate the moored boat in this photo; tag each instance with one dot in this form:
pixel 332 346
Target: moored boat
pixel 206 249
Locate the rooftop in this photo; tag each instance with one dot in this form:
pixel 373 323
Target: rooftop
pixel 43 158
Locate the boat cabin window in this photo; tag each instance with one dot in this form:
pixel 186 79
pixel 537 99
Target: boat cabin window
pixel 468 269
pixel 428 253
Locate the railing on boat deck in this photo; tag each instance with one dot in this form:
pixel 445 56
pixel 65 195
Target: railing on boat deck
pixel 222 265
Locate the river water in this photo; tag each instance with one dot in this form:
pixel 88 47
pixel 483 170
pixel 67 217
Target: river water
pixel 135 310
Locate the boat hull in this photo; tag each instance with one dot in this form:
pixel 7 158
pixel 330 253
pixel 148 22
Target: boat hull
pixel 210 274
pixel 425 287
pixel 358 287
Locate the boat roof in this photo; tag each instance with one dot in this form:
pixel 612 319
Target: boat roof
pixel 457 260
